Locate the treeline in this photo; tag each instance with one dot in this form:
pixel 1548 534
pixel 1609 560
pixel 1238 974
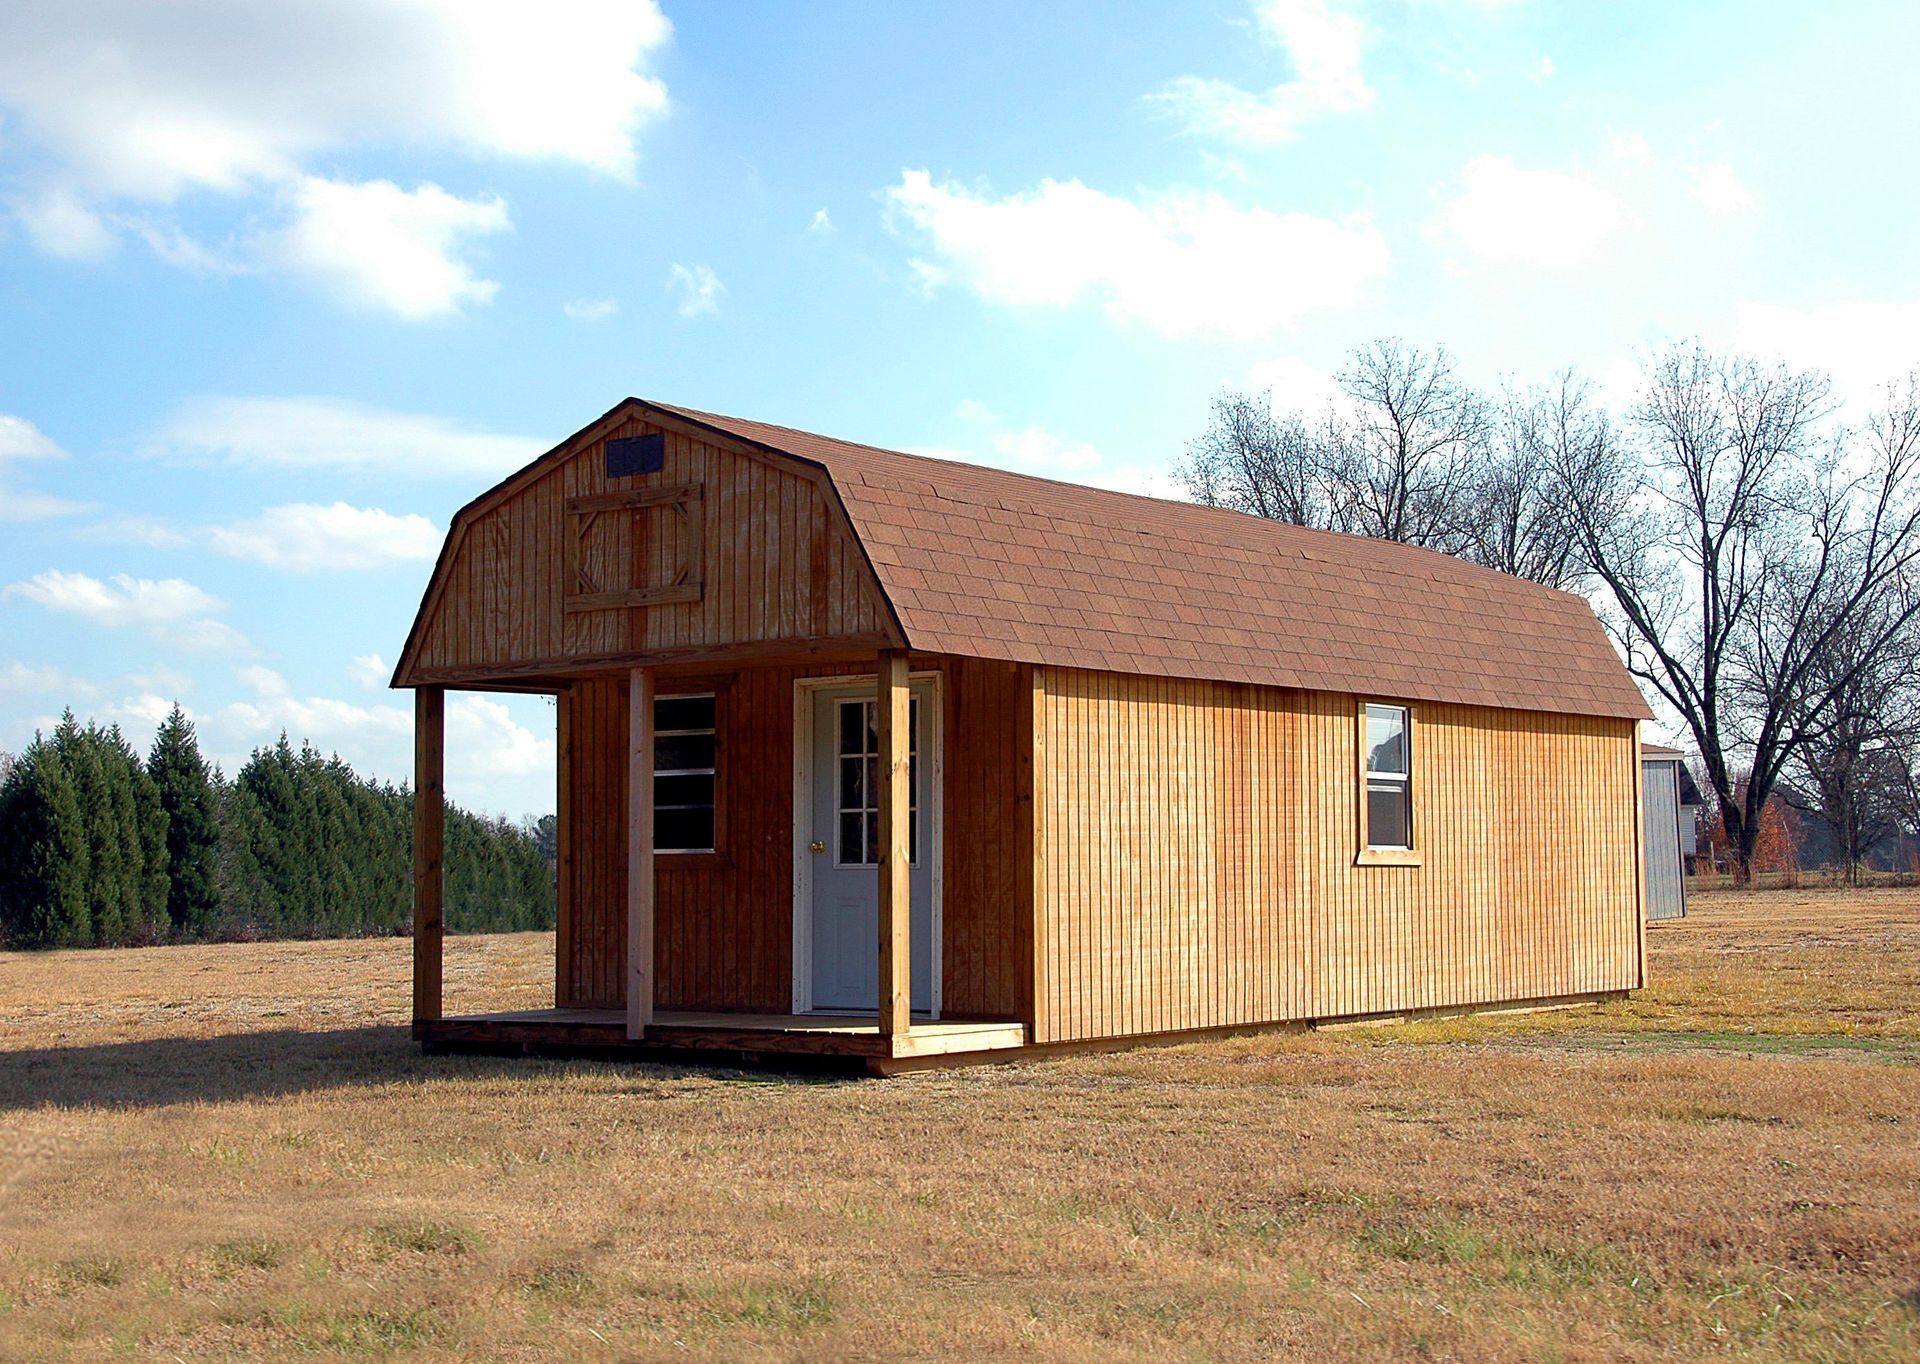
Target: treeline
pixel 99 848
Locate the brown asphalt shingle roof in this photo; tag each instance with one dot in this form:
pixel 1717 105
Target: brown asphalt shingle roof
pixel 993 564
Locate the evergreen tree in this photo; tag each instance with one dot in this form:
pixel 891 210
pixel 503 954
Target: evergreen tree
pixel 188 800
pixel 43 853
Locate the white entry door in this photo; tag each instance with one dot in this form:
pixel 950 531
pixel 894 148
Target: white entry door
pixel 843 848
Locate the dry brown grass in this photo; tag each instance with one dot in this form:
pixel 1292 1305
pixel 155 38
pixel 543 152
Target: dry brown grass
pixel 234 1152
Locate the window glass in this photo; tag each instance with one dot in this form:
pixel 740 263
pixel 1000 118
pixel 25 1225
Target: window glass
pixel 857 793
pixel 1388 822
pixel 1387 739
pixel 683 774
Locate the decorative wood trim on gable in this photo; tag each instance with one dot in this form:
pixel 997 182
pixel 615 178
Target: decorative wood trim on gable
pixel 647 506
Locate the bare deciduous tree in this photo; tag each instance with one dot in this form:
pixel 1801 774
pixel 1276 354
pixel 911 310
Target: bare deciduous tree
pixel 1514 519
pixel 1411 454
pixel 1735 546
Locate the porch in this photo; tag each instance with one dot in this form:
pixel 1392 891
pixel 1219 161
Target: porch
pixel 712 942
pixel 604 1031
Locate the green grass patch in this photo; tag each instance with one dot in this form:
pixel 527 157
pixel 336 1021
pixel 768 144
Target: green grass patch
pixel 377 1332
pixel 782 1309
pixel 89 1271
pixel 427 1238
pixel 241 1252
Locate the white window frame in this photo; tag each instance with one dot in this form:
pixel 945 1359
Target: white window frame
pixel 713 772
pixel 1370 854
pixel 913 791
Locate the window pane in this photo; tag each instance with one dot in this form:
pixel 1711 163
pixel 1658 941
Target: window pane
pixel 852 727
pixel 852 794
pixel 913 835
pixel 850 852
pixel 683 752
pixel 690 790
pixel 873 837
pixel 1388 816
pixel 1386 739
pixel 683 712
pixel 683 830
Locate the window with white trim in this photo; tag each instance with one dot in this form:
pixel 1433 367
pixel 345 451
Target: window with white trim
pixel 1388 745
pixel 683 773
pixel 857 785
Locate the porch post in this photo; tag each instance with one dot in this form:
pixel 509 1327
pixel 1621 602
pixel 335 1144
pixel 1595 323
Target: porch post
pixel 429 826
pixel 896 1000
pixel 640 887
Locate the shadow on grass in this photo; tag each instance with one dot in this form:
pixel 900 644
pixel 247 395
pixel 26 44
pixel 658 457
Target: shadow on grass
pixel 229 1067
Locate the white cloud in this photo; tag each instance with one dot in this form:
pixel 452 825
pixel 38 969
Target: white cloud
pixel 1543 68
pixel 590 309
pixel 1036 450
pixel 1718 188
pixel 170 610
pixel 375 245
pixel 820 222
pixel 484 741
pixel 337 435
pixel 307 537
pixel 1185 265
pixel 123 101
pixel 1863 346
pixel 20 439
pixel 1540 218
pixel 32 679
pixel 122 601
pixel 1324 47
pixel 1629 147
pixel 1296 386
pixel 63 227
pixel 697 288
pixel 370 670
pixel 488 750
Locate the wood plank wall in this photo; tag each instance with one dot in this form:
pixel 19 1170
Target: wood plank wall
pixel 1198 841
pixel 777 564
pixel 723 933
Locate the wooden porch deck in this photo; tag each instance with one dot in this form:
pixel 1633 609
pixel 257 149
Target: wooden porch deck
pixel 604 1031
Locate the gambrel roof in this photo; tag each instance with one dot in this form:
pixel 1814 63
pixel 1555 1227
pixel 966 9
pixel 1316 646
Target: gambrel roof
pixel 994 564
pixel 988 563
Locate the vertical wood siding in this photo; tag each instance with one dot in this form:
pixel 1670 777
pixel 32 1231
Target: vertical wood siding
pixel 723 928
pixel 1197 842
pixel 775 563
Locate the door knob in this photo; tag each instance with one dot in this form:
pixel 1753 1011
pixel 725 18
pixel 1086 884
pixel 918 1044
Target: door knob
pixel 816 846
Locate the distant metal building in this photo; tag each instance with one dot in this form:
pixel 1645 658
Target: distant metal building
pixel 1670 811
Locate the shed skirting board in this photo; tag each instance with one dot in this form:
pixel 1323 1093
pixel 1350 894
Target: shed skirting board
pixel 1094 1046
pixel 569 1033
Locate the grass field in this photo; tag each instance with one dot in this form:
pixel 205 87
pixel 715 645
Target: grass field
pixel 234 1152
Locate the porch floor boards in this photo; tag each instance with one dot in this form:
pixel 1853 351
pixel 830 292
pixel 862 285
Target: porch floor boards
pixel 856 1035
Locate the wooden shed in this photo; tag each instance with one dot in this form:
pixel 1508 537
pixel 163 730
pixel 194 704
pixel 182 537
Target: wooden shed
pixel 874 755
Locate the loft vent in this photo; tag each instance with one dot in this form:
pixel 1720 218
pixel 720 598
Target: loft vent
pixel 629 455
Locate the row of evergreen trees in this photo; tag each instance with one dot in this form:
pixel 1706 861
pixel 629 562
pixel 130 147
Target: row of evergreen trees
pixel 100 849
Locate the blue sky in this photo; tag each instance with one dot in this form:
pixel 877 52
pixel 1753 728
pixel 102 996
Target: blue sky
pixel 283 286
